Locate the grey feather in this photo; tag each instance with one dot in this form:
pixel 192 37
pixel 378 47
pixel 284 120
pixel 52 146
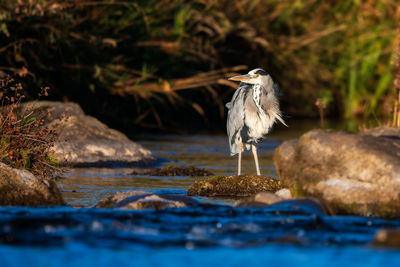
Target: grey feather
pixel 249 121
pixel 235 121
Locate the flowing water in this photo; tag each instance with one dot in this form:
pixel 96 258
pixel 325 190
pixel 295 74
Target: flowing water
pixel 85 187
pixel 211 234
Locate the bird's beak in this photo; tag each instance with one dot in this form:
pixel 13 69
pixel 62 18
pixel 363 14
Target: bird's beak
pixel 240 78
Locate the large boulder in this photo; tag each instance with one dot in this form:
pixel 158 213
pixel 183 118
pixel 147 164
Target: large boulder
pixel 22 188
pixel 85 141
pixel 234 186
pixel 355 173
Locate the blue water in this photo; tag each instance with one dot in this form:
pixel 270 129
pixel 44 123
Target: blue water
pixel 269 255
pixel 85 187
pixel 206 235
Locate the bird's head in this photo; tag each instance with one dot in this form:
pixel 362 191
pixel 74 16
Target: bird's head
pixel 256 76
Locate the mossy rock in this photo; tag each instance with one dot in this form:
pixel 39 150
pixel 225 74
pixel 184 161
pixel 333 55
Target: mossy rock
pixel 22 188
pixel 240 186
pixel 175 171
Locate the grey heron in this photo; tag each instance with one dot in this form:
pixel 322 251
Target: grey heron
pixel 253 110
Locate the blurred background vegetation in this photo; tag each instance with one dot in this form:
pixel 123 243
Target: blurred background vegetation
pixel 163 63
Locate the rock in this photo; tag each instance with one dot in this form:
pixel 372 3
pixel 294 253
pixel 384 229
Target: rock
pixel 259 200
pixel 86 142
pixel 114 199
pixel 174 171
pixel 287 206
pixel 384 131
pixel 242 185
pixel 154 201
pixel 22 188
pixel 354 173
pixel 95 171
pixel 387 238
pixel 139 200
pixel 284 193
pixel 309 206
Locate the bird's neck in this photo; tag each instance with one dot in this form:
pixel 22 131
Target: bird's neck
pixel 257 94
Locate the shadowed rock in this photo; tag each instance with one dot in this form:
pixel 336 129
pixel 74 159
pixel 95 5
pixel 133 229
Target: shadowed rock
pixel 355 173
pixel 139 200
pixel 309 206
pixel 174 171
pixel 387 238
pixel 287 206
pixel 22 188
pixel 242 185
pixel 384 131
pixel 85 141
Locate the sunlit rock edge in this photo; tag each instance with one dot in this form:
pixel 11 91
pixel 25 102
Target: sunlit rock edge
pixel 85 141
pixel 356 174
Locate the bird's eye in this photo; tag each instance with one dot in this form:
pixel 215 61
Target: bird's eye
pixel 257 75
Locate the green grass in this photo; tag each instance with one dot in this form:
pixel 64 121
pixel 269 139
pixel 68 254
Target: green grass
pixel 25 142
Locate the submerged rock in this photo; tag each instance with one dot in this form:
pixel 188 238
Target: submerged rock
pixel 114 199
pixel 387 238
pixel 85 141
pixel 355 173
pixel 175 171
pixel 287 206
pixel 242 185
pixel 139 200
pixel 309 206
pixel 22 188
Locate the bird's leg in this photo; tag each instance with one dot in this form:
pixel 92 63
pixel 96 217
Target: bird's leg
pixel 240 157
pixel 254 150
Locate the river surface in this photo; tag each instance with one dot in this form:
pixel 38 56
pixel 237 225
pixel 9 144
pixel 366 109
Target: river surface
pixel 212 234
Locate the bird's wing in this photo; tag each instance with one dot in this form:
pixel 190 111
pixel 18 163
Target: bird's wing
pixel 235 119
pixel 270 104
pixel 234 97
